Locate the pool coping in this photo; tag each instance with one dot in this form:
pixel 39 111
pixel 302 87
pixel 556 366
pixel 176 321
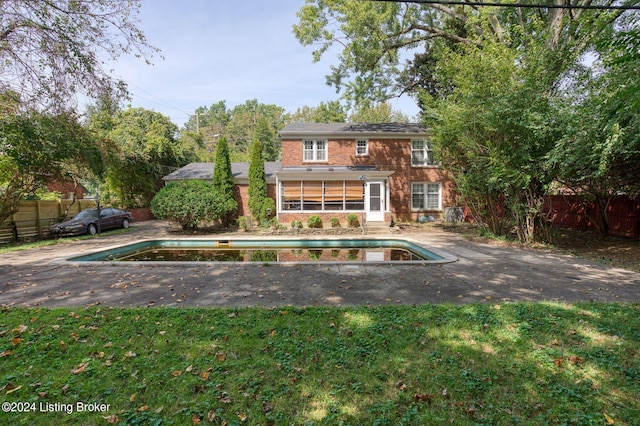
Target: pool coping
pixel 445 256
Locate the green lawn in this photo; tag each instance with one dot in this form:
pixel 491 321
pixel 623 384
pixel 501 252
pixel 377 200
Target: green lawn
pixel 494 364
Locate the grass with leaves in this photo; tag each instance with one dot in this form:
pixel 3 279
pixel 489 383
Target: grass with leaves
pixel 504 364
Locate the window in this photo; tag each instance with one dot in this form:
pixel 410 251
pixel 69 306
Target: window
pixel 314 150
pixel 421 153
pixel 322 195
pixel 426 196
pixel 362 147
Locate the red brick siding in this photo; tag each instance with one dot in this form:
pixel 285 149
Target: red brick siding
pixel 384 154
pixel 242 197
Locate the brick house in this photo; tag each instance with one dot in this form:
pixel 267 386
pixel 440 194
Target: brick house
pixel 381 172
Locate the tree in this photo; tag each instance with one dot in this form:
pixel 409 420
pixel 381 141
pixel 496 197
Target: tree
pixel 52 50
pixel 376 37
pixel 190 203
pixel 36 148
pixel 257 182
pixel 493 132
pixel 223 178
pixel 241 125
pixel 598 157
pixel 383 112
pixel 330 112
pixel 147 150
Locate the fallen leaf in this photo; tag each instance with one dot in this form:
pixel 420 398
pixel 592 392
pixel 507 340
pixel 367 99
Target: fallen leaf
pixel 12 390
pixel 176 373
pixel 112 419
pixel 63 346
pixel 558 362
pixel 196 420
pixel 16 340
pixel 5 353
pixel 608 418
pixel 204 375
pixel 422 397
pixel 576 360
pixel 20 329
pixel 211 415
pixel 133 397
pixel 80 369
pixel 221 356
pixel 189 369
pixel 242 417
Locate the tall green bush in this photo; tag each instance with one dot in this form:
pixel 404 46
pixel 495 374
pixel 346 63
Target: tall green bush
pixel 190 202
pixel 257 182
pixel 223 177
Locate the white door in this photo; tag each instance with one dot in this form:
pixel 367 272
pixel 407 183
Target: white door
pixel 374 201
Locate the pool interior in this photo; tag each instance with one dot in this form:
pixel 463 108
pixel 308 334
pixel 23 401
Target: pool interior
pixel 263 251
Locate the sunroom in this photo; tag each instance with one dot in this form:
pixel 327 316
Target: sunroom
pixel 333 192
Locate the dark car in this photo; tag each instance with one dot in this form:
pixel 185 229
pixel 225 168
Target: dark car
pixel 86 222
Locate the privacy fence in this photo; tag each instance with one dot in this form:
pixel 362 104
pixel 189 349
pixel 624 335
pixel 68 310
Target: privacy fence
pixel 623 214
pixel 35 217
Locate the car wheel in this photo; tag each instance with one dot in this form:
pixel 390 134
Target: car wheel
pixel 125 223
pixel 92 229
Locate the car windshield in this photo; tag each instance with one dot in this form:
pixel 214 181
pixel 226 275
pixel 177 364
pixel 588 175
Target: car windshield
pixel 87 214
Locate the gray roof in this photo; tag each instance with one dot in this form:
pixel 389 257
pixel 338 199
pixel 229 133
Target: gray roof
pixel 353 129
pixel 204 171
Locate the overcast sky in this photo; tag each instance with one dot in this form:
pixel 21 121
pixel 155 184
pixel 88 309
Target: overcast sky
pixel 226 50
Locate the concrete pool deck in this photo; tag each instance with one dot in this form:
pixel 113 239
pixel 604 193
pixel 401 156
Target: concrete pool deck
pixel 483 273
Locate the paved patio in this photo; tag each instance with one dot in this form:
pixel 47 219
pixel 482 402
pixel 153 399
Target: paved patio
pixel 483 273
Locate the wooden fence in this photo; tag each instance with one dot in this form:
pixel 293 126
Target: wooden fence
pixel 35 217
pixel 623 214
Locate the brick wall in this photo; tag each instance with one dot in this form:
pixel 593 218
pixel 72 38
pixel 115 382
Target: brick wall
pixel 384 154
pixel 242 197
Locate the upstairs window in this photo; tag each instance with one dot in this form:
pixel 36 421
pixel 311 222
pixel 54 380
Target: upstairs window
pixel 421 153
pixel 314 150
pixel 362 147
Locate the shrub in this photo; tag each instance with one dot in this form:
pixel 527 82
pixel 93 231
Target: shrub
pixel 190 202
pixel 353 221
pixel 335 222
pixel 267 211
pixel 314 221
pixel 243 223
pixel 296 224
pixel 273 223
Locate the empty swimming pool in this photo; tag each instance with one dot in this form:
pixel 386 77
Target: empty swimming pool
pixel 269 251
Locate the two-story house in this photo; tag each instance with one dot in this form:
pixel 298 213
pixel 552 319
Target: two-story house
pixel 382 172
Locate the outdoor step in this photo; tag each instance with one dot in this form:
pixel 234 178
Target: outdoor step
pixel 378 227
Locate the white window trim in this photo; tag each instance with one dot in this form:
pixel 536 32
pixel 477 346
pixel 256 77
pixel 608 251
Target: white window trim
pixel 366 147
pixel 315 151
pixel 427 151
pixel 425 188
